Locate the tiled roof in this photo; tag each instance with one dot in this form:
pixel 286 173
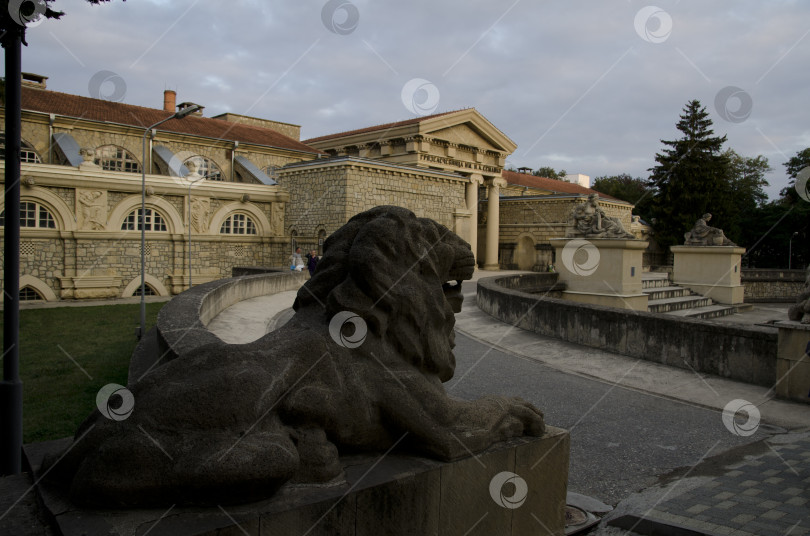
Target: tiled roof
pixel 552 185
pixel 386 126
pixel 41 100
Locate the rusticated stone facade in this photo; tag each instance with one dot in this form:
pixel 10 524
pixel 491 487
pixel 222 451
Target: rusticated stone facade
pixel 80 246
pixel 527 224
pixel 330 191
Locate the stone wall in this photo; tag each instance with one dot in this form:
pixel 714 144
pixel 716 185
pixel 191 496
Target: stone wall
pixel 527 224
pixel 88 254
pixel 328 192
pixel 181 324
pixel 772 285
pixel 743 353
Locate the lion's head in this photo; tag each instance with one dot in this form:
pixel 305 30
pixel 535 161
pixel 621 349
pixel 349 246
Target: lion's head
pixel 402 275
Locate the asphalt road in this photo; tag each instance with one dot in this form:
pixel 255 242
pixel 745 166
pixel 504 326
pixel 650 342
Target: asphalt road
pixel 622 440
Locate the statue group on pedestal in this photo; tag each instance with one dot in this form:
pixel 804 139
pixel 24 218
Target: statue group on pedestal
pixel 589 220
pixel 702 234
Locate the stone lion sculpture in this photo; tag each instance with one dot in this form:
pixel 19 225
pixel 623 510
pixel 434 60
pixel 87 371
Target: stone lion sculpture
pixel 800 311
pixel 359 367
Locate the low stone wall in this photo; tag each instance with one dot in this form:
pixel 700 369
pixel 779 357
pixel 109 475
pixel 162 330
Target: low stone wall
pixel 743 353
pixel 181 324
pixel 542 283
pixel 238 271
pixel 772 285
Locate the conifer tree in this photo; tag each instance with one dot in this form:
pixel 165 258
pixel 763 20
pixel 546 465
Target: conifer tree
pixel 691 178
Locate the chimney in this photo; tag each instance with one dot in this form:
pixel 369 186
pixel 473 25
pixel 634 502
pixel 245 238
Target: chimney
pixel 169 100
pixel 34 80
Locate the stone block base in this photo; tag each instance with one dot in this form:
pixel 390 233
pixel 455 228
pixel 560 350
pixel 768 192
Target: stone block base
pixel 90 287
pixel 793 361
pixel 600 266
pixel 634 302
pixel 514 488
pixel 713 271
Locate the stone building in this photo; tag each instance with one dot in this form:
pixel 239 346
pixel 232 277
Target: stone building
pixel 233 190
pixel 433 165
pixel 534 210
pixel 81 195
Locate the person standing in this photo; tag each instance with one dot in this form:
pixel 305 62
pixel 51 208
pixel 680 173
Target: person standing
pixel 312 262
pixel 296 262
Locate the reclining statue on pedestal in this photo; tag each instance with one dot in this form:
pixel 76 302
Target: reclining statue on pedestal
pixel 359 367
pixel 704 235
pixel 800 311
pixel 589 220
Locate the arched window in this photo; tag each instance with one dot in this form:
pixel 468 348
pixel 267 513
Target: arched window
pixel 147 291
pixel 206 167
pixel 153 221
pixel 29 294
pixel 28 155
pixel 238 224
pixel 321 240
pixel 32 215
pixel 114 158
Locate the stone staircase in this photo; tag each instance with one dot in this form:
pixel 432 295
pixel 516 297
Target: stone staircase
pixel 664 297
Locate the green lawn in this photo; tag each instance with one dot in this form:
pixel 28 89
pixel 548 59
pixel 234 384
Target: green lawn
pixel 55 345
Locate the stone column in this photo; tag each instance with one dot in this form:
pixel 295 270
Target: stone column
pixel 472 205
pixel 493 221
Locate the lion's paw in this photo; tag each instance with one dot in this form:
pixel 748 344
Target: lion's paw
pixel 528 415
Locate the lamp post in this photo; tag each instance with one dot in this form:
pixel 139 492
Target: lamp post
pixel 191 183
pixel 177 115
pixel 11 387
pixel 790 249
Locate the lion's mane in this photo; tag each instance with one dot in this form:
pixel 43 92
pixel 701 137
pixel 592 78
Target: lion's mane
pixel 393 280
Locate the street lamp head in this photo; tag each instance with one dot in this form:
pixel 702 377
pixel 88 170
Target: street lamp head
pixel 187 111
pixel 795 234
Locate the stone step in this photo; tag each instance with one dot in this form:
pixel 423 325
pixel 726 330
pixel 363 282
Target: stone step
pixel 662 293
pixel 655 280
pixel 676 304
pixel 706 312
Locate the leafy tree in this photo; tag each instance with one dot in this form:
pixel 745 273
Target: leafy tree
pixel 770 229
pixel 550 173
pixel 631 189
pixel 746 177
pixel 691 178
pixel 768 235
pixel 793 167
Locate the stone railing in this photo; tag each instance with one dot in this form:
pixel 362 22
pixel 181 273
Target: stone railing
pixel 743 353
pixel 772 285
pixel 181 324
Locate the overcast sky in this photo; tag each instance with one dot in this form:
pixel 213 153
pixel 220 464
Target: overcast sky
pixel 591 87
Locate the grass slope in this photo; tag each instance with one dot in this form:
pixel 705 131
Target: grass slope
pixel 66 355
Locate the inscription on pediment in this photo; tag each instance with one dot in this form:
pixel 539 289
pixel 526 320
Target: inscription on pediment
pixel 463 135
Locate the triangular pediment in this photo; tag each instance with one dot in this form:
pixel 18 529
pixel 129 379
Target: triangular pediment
pixel 467 127
pixel 464 135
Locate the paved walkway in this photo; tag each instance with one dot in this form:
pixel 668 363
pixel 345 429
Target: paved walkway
pixel 764 494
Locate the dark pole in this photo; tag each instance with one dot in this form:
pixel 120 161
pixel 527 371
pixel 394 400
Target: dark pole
pixel 11 386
